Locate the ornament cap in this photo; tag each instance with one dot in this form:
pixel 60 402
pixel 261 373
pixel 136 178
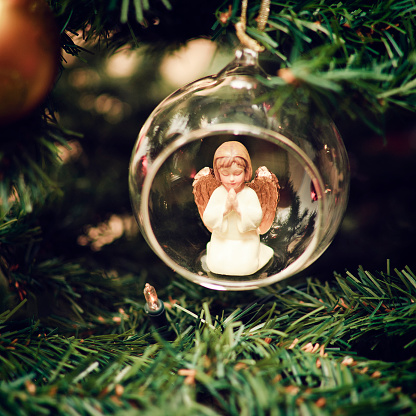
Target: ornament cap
pixel 245 62
pixel 246 56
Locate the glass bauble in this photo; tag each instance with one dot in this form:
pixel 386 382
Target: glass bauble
pixel 300 145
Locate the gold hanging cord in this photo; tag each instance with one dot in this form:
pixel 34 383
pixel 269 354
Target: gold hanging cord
pixel 240 27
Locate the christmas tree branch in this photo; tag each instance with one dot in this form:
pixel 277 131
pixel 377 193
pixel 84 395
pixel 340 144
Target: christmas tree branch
pixel 354 57
pixel 213 359
pixel 78 342
pixel 28 163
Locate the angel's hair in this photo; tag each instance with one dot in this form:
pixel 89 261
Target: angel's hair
pixel 229 153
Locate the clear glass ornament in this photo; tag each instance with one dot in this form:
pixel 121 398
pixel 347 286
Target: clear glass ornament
pixel 300 146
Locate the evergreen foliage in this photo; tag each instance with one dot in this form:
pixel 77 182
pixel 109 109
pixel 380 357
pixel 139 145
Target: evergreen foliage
pixel 74 339
pixel 291 351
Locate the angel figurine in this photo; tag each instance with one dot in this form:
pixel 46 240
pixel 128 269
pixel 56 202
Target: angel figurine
pixel 236 211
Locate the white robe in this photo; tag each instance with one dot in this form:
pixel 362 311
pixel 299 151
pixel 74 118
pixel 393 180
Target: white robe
pixel 235 247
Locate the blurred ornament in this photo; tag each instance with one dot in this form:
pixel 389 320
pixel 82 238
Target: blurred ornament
pixel 297 143
pixel 29 56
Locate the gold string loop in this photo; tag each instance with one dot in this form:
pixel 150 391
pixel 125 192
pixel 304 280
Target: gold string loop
pixel 240 27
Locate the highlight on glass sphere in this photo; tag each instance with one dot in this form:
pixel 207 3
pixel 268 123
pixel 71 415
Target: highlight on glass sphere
pixel 230 193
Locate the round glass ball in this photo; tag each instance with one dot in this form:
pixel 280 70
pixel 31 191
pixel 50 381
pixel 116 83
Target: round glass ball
pixel 300 145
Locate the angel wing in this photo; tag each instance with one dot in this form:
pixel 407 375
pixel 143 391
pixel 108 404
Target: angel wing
pixel 204 185
pixel 266 186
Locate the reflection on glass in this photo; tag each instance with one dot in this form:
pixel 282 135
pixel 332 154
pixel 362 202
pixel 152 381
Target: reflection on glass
pixel 299 145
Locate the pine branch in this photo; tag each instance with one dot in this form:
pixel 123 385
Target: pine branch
pixel 346 56
pixel 29 160
pixel 364 309
pixel 74 299
pixel 215 366
pixel 345 346
pixel 351 58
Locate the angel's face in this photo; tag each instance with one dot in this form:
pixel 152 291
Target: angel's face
pixel 232 177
